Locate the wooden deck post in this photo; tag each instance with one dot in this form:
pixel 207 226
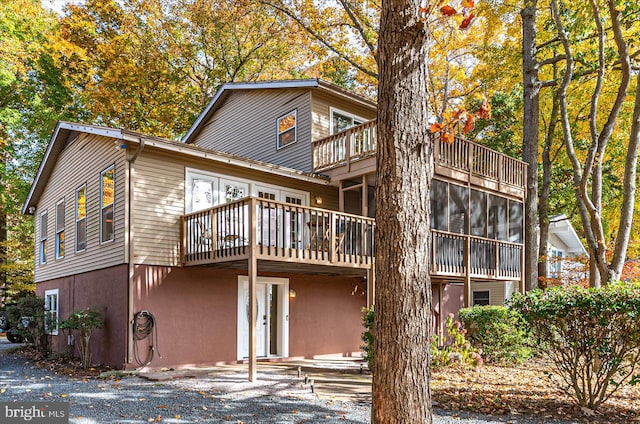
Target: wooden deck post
pixel 467 272
pixel 341 196
pixel 365 196
pixel 371 285
pixel 253 277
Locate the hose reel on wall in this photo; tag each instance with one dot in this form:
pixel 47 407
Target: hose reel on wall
pixel 144 325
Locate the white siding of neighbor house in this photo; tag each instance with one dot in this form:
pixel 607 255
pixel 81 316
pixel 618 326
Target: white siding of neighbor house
pixel 81 162
pixel 245 125
pixel 159 200
pixel 323 101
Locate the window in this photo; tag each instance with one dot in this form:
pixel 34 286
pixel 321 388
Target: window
pixel 480 298
pixel 287 129
pixel 439 205
pixel 555 262
pixel 60 229
pixel 43 237
pixel 458 209
pixel 478 213
pixel 497 217
pixel 515 222
pixel 81 218
pixel 51 311
pixel 107 194
pixel 341 121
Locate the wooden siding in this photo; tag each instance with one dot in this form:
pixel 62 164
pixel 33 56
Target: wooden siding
pixel 496 290
pixel 321 104
pixel 245 125
pixel 158 204
pixel 81 162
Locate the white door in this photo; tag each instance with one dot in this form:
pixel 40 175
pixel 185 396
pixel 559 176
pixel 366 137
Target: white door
pixel 272 320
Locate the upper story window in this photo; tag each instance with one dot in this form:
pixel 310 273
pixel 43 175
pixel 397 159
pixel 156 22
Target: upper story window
pixel 287 129
pixel 341 120
pixel 81 218
pixel 51 311
pixel 107 197
pixel 43 237
pixel 60 229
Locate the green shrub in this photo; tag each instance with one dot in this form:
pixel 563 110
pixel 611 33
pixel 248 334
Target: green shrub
pixel 28 319
pixel 593 336
pixel 501 332
pixel 456 349
pixel 367 335
pixel 84 322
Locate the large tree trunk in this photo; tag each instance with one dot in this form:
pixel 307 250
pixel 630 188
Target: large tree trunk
pixel 401 392
pixel 531 104
pixel 3 233
pixel 545 191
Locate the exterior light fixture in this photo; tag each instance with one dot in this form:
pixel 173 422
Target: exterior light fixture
pixel 318 200
pixel 292 293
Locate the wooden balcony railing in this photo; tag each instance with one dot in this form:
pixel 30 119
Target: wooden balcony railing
pixel 359 142
pixel 486 258
pixel 351 145
pixel 276 231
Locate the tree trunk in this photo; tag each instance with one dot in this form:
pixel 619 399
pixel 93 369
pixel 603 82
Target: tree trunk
pixel 545 190
pixel 629 192
pixel 531 105
pixel 401 373
pixel 3 233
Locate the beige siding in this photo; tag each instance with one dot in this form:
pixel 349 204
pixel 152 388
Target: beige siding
pixel 158 200
pixel 496 290
pixel 81 162
pixel 245 125
pixel 321 104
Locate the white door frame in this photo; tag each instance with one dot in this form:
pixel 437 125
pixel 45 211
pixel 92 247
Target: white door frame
pixel 242 338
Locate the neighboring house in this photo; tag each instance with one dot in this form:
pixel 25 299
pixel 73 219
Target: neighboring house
pixel 563 250
pixel 270 197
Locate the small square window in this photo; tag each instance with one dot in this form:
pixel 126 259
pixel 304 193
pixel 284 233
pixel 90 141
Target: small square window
pixel 481 298
pixel 287 132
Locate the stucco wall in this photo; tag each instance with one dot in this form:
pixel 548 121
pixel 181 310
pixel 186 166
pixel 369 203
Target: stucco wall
pixel 104 290
pixel 196 314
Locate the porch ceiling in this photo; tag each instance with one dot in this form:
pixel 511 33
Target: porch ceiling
pixel 292 267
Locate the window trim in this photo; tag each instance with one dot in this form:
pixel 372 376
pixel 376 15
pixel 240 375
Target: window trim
pixel 60 241
pixel 86 213
pixel 112 204
pixel 473 297
pixel 43 238
pixel 47 294
pixel 295 129
pixel 354 117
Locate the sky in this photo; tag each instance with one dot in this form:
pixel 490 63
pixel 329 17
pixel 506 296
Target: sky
pixel 58 5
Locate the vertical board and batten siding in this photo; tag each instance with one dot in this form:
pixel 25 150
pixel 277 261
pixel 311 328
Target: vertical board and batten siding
pixel 322 103
pixel 245 125
pixel 81 162
pixel 159 196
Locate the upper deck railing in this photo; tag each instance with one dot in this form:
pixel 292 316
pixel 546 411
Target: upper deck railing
pixel 462 155
pixel 277 231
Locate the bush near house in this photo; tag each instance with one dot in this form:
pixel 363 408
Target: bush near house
pixel 501 332
pixel 593 336
pixel 456 350
pixel 83 322
pixel 28 321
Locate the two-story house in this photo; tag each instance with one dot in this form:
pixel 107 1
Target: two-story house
pixel 254 236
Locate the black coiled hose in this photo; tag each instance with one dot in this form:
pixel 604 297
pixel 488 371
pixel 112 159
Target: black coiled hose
pixel 144 325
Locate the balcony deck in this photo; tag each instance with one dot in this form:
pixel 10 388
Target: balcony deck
pixel 277 232
pixel 321 241
pixel 351 153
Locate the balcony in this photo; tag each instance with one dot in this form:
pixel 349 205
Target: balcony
pixel 453 255
pixel 352 152
pixel 276 232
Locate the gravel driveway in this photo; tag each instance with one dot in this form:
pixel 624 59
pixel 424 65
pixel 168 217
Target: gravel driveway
pixel 216 398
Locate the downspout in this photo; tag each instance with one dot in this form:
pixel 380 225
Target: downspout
pixel 130 250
